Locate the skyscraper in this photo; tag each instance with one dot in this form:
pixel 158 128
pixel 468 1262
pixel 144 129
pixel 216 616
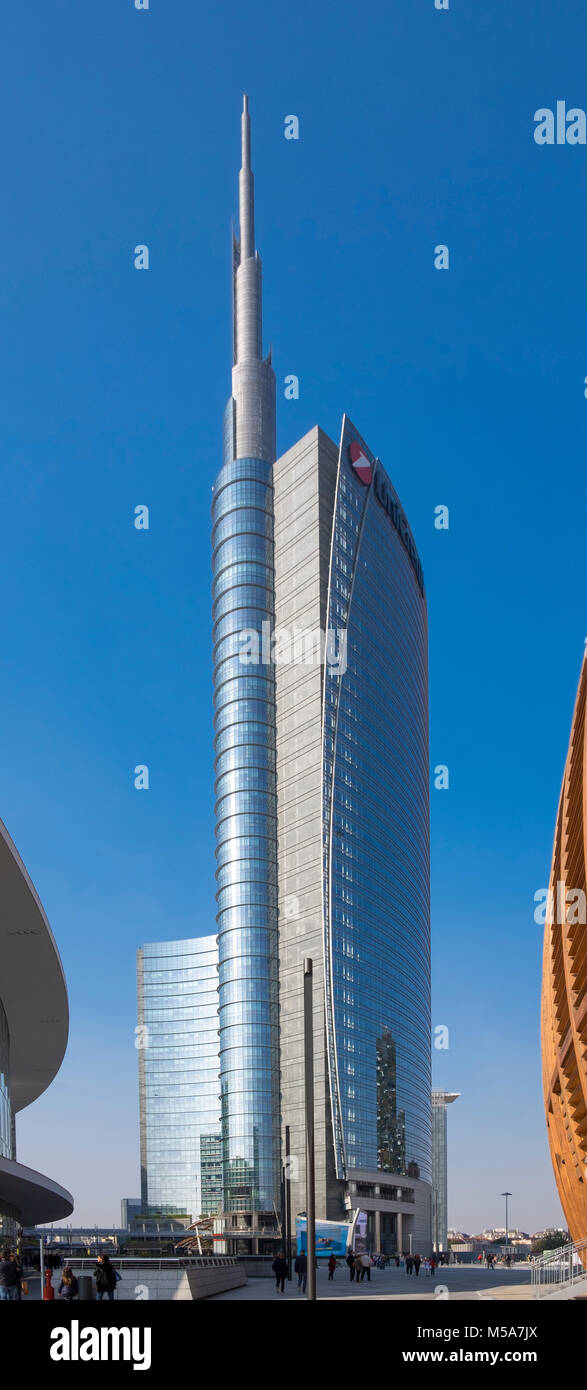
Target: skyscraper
pixel 564 982
pixel 244 721
pixel 179 1107
pixel 322 811
pixel 440 1100
pixel 353 828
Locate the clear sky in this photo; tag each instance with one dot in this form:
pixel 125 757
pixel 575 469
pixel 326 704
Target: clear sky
pixel 416 128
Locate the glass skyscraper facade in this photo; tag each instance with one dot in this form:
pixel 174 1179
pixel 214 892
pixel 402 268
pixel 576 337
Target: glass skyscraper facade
pixel 353 827
pixel 246 844
pixel 376 827
pixel 177 1040
pixel 440 1100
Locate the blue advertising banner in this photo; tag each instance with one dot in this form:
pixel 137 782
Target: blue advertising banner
pixel 332 1237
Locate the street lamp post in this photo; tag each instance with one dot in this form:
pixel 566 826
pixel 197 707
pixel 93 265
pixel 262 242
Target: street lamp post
pixel 288 1201
pixel 309 1107
pixel 507 1195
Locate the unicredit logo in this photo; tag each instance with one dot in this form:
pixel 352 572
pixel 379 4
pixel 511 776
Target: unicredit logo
pixel 360 462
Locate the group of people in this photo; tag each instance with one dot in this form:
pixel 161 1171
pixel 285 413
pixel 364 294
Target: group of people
pixel 358 1266
pixel 106 1278
pixel 12 1284
pixel 413 1263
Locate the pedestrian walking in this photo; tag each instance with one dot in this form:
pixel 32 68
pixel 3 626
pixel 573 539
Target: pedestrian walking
pixel 16 1261
pixel 69 1287
pixel 105 1277
pixel 301 1269
pixel 358 1266
pixel 417 1263
pixel 279 1268
pixel 432 1267
pixel 366 1263
pixel 350 1259
pixel 9 1278
pixel 409 1264
pixel 331 1267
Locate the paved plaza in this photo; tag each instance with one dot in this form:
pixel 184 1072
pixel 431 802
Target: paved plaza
pixel 457 1282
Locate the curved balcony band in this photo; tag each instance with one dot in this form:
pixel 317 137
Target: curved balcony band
pixel 34 1022
pixel 246 829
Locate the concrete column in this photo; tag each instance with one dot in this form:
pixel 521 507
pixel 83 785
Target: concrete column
pixel 400 1232
pixel 377 1246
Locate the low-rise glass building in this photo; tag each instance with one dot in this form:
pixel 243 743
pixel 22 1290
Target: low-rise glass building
pixel 179 1089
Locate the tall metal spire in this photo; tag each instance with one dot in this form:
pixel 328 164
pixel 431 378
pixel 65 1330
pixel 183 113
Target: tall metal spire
pixel 246 188
pixel 250 419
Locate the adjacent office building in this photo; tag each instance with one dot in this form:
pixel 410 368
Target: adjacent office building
pixel 177 1040
pixel 34 1022
pixel 322 809
pixel 440 1100
pixel 564 983
pixel 130 1208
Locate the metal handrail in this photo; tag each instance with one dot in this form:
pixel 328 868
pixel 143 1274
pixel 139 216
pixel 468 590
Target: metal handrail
pixel 88 1262
pixel 561 1267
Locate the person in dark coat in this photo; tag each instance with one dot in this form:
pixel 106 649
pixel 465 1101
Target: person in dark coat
pixel 279 1268
pixel 350 1259
pixel 331 1267
pixel 417 1263
pixel 105 1276
pixel 69 1287
pixel 16 1261
pixel 409 1264
pixel 301 1269
pixel 9 1277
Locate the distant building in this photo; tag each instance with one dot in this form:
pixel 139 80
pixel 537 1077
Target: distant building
pixel 129 1208
pixel 500 1233
pixel 440 1100
pixel 211 1173
pixel 179 1096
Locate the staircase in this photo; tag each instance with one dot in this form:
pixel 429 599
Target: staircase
pixel 561 1273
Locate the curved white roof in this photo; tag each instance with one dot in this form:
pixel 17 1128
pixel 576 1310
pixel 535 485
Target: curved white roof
pixel 36 1197
pixel 32 983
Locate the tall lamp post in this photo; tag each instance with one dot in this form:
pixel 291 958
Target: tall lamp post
pixel 507 1195
pixel 309 1108
pixel 288 1201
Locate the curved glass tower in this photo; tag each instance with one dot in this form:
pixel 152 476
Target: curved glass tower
pixel 376 830
pixel 353 814
pixel 244 702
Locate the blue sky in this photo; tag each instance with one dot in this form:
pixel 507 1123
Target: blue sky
pixel 416 128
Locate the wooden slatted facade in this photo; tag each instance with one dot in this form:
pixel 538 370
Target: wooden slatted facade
pixel 564 983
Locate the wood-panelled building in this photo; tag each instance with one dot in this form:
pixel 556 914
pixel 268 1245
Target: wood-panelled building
pixel 564 983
